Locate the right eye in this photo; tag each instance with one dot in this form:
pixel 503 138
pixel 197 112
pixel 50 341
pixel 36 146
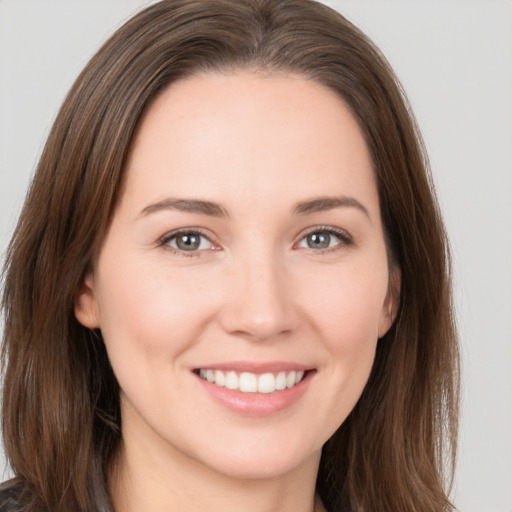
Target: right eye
pixel 187 241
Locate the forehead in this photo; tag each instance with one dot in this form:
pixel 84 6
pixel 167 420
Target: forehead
pixel 243 131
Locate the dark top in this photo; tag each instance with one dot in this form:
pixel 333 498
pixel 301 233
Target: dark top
pixel 10 495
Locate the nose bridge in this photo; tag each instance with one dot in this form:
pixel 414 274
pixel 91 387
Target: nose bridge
pixel 260 304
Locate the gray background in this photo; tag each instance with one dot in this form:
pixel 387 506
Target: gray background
pixel 454 58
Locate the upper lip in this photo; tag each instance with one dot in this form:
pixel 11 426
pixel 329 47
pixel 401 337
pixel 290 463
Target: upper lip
pixel 255 367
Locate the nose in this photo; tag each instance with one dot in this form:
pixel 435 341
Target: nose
pixel 259 304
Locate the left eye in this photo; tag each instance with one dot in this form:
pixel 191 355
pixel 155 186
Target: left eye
pixel 188 241
pixel 322 240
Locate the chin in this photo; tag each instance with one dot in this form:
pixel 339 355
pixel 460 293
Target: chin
pixel 262 462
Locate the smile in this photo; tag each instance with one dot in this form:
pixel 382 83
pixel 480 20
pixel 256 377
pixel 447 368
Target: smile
pixel 247 382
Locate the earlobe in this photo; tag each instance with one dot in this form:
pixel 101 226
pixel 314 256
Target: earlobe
pixel 390 307
pixel 86 303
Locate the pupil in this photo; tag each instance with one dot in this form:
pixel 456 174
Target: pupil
pixel 319 240
pixel 188 242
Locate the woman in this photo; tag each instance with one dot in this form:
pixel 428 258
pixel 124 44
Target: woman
pixel 229 286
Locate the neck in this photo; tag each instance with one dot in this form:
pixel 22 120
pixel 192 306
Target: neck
pixel 161 479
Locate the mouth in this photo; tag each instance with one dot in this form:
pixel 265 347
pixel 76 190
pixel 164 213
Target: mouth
pixel 248 382
pixel 255 389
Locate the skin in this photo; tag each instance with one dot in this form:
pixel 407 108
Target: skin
pixel 255 290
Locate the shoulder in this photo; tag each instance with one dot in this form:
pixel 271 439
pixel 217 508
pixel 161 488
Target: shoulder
pixel 10 494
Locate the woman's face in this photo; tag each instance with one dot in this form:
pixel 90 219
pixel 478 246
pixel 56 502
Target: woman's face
pixel 243 283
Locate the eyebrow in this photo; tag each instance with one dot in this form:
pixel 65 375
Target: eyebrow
pixel 185 205
pixel 212 209
pixel 322 204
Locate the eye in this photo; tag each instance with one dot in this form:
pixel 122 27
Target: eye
pixel 187 241
pixel 322 239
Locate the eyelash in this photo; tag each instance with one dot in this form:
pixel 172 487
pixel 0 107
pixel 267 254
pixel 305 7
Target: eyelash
pixel 345 240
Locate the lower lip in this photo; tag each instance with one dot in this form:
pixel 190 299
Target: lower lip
pixel 257 404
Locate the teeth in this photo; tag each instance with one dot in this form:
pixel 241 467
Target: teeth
pixel 220 378
pixel 231 381
pixel 281 381
pixel 290 379
pixel 248 382
pixel 266 383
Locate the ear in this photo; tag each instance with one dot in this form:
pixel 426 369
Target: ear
pixel 390 306
pixel 86 303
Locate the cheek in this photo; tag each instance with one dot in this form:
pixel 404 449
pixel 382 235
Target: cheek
pixel 148 309
pixel 348 306
pixel 345 317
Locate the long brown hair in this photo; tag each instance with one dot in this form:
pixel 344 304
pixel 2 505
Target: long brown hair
pixel 61 413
